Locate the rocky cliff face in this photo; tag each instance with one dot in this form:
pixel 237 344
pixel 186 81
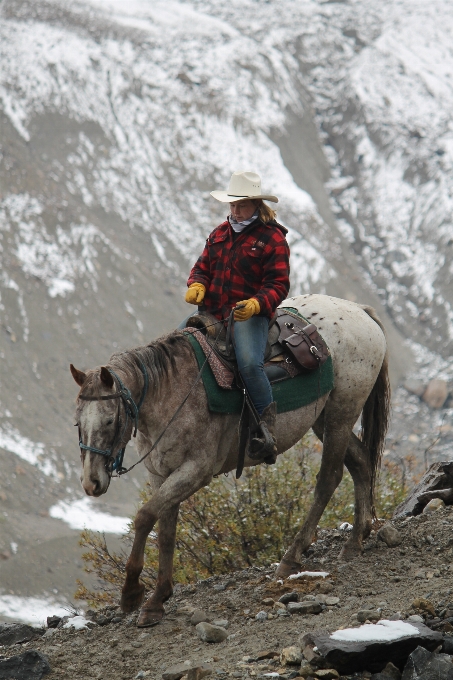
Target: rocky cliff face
pixel 117 119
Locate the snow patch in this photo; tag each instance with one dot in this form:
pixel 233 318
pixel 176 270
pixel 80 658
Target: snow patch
pixel 34 610
pixel 308 574
pixel 383 631
pixel 32 452
pixel 80 514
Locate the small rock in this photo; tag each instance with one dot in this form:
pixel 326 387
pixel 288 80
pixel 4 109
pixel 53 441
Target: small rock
pixel 368 615
pixel 53 621
pixel 31 665
pixel 141 674
pixel 332 601
pixel 291 656
pixel 398 616
pixel 306 670
pixel 268 601
pixel 325 587
pixel 436 393
pixel 223 623
pixel 261 616
pixel 304 608
pixel 327 674
pixel 179 670
pixel 208 633
pixel 279 606
pixel 390 672
pixel 390 535
pixel 424 605
pixel 266 654
pixel 198 616
pixel 117 619
pixel 447 645
pixel 416 618
pixel 289 597
pixel 416 387
pixel 434 505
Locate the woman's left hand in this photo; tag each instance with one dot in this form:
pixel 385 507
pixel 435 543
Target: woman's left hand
pixel 248 309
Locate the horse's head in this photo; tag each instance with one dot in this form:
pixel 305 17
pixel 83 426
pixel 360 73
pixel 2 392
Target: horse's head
pixel 101 427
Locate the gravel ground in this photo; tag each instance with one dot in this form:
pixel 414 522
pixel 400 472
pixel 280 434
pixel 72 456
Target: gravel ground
pixel 383 579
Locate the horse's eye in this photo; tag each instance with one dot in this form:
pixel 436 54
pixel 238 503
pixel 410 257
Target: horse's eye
pixel 109 421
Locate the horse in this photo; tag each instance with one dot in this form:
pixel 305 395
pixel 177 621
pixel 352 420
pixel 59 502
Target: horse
pixel 199 444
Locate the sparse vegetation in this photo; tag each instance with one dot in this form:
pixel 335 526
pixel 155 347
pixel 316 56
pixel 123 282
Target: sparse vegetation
pixel 232 524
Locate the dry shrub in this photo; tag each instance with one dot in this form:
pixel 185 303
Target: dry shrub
pixel 230 524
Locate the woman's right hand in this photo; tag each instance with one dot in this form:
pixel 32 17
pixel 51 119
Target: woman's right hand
pixel 195 294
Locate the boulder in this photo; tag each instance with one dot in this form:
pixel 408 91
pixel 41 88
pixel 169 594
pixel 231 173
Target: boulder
pixel 31 665
pixel 423 665
pixel 371 647
pixel 436 393
pixel 209 633
pixel 437 482
pixel 390 535
pixel 14 633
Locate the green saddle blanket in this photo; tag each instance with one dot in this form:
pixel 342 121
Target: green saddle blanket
pixel 289 394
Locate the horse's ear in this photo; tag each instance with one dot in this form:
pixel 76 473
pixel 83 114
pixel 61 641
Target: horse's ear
pixel 79 376
pixel 106 377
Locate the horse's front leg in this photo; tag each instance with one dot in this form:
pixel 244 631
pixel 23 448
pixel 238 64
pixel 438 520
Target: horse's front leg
pixel 153 609
pixel 133 590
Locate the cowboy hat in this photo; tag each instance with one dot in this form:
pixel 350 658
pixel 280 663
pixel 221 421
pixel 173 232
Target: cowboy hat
pixel 243 184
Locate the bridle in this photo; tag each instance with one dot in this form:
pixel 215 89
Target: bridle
pixel 131 410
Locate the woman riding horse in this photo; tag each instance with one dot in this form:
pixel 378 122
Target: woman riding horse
pixel 245 265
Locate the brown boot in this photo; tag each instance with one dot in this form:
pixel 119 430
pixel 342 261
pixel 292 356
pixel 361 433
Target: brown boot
pixel 264 447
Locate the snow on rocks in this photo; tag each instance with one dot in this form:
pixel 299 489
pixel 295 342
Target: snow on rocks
pixel 370 646
pixel 78 622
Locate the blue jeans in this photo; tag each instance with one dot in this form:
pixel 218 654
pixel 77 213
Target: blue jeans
pixel 249 340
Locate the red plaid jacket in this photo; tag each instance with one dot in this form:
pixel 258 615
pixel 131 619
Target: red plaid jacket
pixel 235 267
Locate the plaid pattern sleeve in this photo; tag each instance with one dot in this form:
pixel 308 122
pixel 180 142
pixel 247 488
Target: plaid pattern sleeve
pixel 254 263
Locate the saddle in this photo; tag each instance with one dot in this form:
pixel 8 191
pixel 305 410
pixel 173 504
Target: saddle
pixel 293 345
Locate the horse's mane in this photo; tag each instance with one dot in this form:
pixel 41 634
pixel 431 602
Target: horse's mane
pixel 158 357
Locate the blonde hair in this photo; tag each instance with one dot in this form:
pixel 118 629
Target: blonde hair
pixel 266 214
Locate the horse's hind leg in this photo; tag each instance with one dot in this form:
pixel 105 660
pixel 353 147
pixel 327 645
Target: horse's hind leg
pixel 336 438
pixel 358 464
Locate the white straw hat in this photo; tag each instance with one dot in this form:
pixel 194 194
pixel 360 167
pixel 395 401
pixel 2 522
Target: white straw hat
pixel 243 184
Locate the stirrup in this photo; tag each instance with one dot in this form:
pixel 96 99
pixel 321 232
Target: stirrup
pixel 262 448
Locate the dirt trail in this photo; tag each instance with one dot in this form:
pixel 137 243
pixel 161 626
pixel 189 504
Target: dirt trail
pixel 383 579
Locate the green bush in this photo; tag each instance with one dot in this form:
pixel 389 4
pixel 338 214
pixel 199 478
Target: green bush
pixel 232 524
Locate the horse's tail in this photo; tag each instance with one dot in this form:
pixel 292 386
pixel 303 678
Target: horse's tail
pixel 376 413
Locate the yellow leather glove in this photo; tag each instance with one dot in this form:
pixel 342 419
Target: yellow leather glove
pixel 195 294
pixel 250 308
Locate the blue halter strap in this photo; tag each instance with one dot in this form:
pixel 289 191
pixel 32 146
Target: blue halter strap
pixel 131 410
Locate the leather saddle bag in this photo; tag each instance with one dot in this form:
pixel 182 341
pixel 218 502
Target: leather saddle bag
pixel 303 343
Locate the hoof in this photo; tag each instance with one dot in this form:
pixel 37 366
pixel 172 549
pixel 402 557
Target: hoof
pixel 132 599
pixel 150 617
pixel 287 568
pixel 350 552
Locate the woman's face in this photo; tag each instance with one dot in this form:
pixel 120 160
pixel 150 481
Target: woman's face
pixel 242 210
